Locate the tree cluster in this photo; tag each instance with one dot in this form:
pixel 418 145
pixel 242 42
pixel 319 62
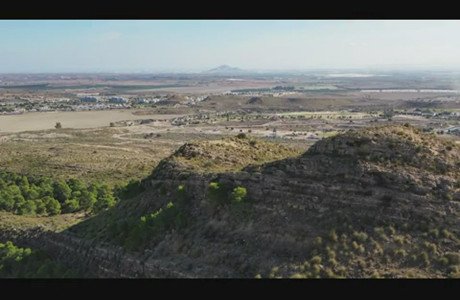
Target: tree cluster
pixel 26 195
pixel 16 262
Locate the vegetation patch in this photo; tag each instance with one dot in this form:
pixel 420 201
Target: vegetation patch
pixel 28 195
pixel 136 233
pixel 229 154
pixel 16 262
pixel 384 252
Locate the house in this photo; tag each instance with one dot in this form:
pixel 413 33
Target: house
pixel 452 129
pixel 117 100
pixel 88 99
pixel 141 101
pixel 146 121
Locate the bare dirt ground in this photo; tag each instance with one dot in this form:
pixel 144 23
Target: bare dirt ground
pixel 75 119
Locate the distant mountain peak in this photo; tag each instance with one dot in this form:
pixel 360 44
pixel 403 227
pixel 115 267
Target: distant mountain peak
pixel 225 69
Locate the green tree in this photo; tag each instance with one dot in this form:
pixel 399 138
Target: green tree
pixel 103 203
pixel 2 184
pixel 31 193
pixel 105 198
pixel 62 191
pixel 71 205
pixel 388 114
pixel 53 207
pixel 29 208
pixel 86 200
pixel 22 181
pixel 133 188
pixel 76 185
pixel 41 206
pixel 14 190
pixel 93 189
pixel 19 202
pixel 6 201
pixel 46 189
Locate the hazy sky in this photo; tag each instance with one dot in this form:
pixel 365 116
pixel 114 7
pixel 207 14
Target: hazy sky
pixel 197 45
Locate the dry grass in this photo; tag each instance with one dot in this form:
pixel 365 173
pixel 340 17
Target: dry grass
pixel 230 154
pixel 90 155
pixel 9 221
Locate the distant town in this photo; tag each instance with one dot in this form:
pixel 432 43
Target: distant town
pixel 85 102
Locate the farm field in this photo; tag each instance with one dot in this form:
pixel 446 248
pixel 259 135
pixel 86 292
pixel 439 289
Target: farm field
pixel 77 120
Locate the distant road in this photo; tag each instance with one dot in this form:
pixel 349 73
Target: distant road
pixel 72 119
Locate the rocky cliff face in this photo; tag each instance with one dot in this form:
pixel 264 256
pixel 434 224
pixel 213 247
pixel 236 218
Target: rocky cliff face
pixel 387 176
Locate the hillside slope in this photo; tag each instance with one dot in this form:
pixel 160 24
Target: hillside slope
pixel 379 202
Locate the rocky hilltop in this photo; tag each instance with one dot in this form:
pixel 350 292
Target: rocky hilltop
pixel 379 202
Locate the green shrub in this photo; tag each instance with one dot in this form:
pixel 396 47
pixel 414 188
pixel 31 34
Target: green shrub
pixel 318 241
pixel 443 261
pixel 333 236
pixel 332 262
pixel 399 240
pixel 375 274
pixel 360 236
pixel 316 260
pixel 453 269
pixel 140 231
pixel 380 233
pixel 453 257
pixel 240 209
pixel 341 270
pixel 434 233
pixel 424 258
pixel 377 248
pixel 238 194
pixel 298 276
pixel 455 275
pixel 431 247
pixel 391 230
pixel 331 253
pixel 361 263
pixel 316 269
pixel 401 253
pixel 328 273
pixel 355 245
pixel 304 268
pixel 273 272
pixel 18 262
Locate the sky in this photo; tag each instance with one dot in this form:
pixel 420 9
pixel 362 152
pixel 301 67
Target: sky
pixel 197 45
